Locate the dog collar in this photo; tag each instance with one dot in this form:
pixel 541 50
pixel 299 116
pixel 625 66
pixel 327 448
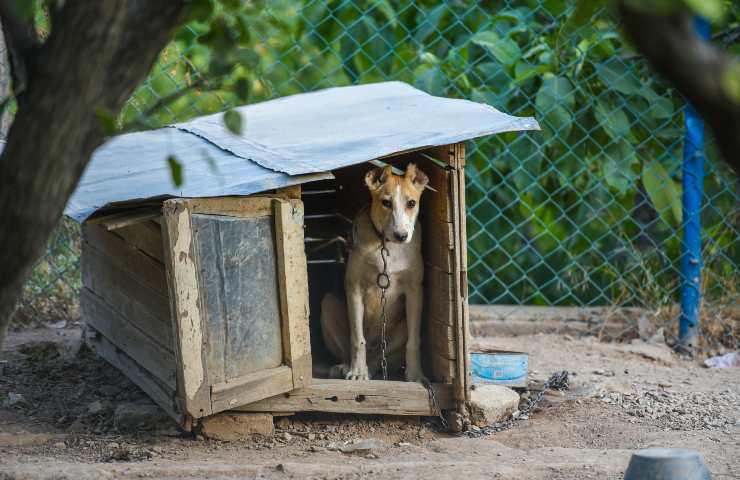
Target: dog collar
pixel 375 228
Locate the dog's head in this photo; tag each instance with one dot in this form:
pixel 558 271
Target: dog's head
pixel 396 201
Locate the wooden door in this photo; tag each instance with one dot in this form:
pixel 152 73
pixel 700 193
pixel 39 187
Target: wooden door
pixel 236 273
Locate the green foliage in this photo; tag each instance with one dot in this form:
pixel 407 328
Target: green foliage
pixel 175 169
pixel 552 216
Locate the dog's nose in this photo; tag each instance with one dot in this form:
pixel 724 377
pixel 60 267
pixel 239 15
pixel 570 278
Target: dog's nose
pixel 401 237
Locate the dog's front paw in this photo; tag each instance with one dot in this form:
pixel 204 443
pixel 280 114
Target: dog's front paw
pixel 357 372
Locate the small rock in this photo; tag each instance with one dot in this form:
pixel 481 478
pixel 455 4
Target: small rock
pixel 286 436
pixel 60 445
pixel 492 403
pixel 95 407
pixel 134 417
pixel 363 446
pixel 371 456
pixel 113 445
pixel 316 448
pixel 311 436
pixel 404 444
pixel 621 388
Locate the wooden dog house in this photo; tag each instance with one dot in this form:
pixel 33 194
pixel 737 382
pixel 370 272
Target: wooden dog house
pixel 207 295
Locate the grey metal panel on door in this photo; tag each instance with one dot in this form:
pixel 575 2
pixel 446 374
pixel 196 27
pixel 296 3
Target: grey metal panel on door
pixel 237 269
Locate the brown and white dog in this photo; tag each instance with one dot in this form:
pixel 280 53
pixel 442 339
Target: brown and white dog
pixel 352 332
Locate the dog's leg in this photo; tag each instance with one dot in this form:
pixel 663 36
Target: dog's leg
pixel 358 350
pixel 414 298
pixel 335 331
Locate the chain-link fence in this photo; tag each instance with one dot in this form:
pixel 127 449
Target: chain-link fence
pixel 585 213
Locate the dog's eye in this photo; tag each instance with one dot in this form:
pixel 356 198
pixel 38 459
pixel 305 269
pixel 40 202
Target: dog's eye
pixel 387 203
pixel 411 203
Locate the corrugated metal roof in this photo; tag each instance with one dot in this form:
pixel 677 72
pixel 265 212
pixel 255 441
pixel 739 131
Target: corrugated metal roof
pixel 133 167
pixel 287 141
pixel 337 127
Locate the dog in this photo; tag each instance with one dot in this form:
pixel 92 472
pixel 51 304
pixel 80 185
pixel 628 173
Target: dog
pixel 352 329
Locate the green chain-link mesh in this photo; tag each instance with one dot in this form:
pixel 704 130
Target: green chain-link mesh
pixel 585 213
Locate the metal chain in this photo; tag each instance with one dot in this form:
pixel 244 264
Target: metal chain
pixel 435 406
pixel 384 281
pixel 558 381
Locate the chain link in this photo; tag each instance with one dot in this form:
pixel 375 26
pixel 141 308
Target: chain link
pixel 384 282
pixel 434 404
pixel 557 381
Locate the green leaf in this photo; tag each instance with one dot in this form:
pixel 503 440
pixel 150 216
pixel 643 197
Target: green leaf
pixel 505 50
pixel 581 15
pixel 241 88
pixel 201 10
pixel 613 119
pixel 617 76
pixel 617 166
pixel 175 170
pixel 555 101
pixel 233 121
pixel 710 9
pixel 659 107
pixel 430 79
pixel 663 192
pixel 107 121
pixel 525 70
pixel 385 7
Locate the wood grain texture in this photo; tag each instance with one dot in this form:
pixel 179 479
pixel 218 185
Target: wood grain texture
pixel 368 397
pixel 146 236
pixel 158 361
pixel 251 388
pixel 293 289
pixel 124 219
pixel 184 294
pixel 146 269
pixel 254 206
pixel 140 305
pixel 460 384
pixel 463 261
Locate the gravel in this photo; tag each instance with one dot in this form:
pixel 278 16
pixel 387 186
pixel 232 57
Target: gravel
pixel 674 410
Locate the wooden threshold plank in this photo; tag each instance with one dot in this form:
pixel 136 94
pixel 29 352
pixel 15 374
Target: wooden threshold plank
pixel 350 396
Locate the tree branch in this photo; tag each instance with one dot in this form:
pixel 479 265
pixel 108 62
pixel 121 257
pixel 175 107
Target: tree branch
pixel 693 66
pixel 21 41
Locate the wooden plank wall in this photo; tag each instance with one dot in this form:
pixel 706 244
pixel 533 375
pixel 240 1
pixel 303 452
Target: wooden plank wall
pixel 125 307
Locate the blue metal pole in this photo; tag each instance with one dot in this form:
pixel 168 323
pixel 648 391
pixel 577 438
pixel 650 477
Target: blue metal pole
pixel 693 182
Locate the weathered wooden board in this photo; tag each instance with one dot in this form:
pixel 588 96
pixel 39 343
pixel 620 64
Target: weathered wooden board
pixel 145 308
pixel 185 305
pixel 236 260
pixel 251 388
pixel 158 361
pixel 146 236
pixel 293 289
pixel 149 271
pixel 369 397
pixel 163 395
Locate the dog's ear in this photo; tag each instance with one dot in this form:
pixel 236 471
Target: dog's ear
pixel 375 178
pixel 418 178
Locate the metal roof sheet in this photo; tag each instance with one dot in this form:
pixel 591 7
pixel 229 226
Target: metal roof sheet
pixel 291 140
pixel 338 127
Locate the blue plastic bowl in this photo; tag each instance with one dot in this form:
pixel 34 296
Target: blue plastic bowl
pixel 666 464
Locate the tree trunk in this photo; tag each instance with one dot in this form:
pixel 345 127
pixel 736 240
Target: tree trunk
pixel 95 56
pixel 693 66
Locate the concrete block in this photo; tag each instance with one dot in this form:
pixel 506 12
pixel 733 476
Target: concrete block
pixel 235 426
pixel 492 403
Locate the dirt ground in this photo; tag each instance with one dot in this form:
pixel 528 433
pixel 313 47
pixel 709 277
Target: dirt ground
pixel 63 416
